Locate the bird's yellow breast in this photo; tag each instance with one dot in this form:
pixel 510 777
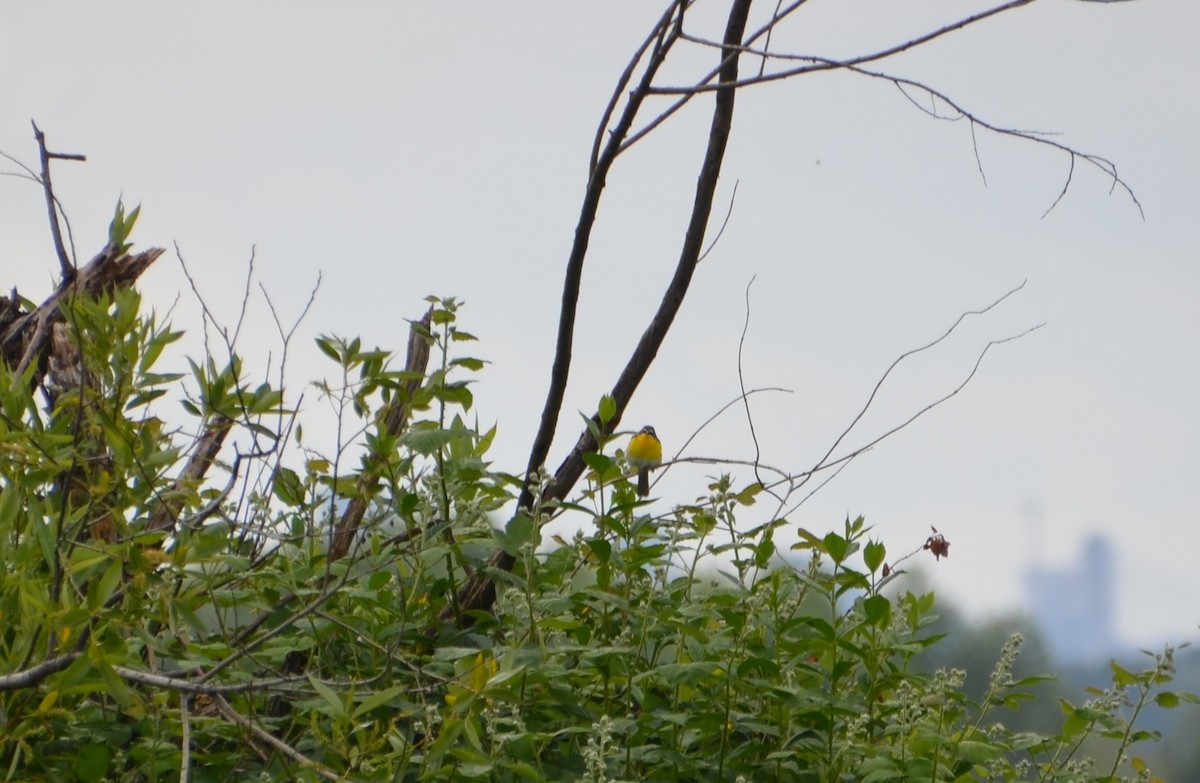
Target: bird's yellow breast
pixel 645 449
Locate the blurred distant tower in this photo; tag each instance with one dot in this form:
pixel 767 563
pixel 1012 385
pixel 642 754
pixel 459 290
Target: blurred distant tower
pixel 1074 606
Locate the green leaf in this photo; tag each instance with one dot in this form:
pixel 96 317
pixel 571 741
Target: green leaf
pixel 99 594
pixel 336 708
pixel 427 441
pixel 1121 675
pixel 873 555
pixel 326 346
pixel 601 549
pixel 682 673
pixel 836 547
pixel 519 531
pixel 288 487
pixel 978 752
pixel 500 680
pixel 1167 700
pixel 92 763
pixel 524 769
pixel 121 225
pixel 878 610
pixel 115 686
pixel 607 408
pixel 45 539
pixel 1077 722
pixel 379 699
pixel 597 461
pixel 748 494
pixel 10 505
pixel 807 540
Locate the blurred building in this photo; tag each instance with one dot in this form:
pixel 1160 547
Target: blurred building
pixel 1074 605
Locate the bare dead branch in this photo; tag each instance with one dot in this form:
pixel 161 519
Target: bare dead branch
pixel 666 36
pixel 762 66
pixel 738 400
pixel 479 592
pixel 815 63
pixel 657 34
pixel 26 340
pixel 765 30
pixel 1038 137
pixel 66 267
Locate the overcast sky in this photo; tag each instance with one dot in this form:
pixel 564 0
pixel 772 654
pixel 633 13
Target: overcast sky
pixel 404 149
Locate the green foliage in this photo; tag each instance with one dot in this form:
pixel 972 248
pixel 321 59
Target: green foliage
pixel 679 646
pixel 121 226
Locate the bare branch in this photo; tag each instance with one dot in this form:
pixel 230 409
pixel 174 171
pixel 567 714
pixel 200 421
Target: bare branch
pixel 666 35
pixel 66 267
pixel 912 352
pixel 1038 137
pixel 27 678
pixel 480 592
pixel 26 339
pixel 826 64
pixel 657 33
pixel 192 687
pixel 815 63
pixel 705 84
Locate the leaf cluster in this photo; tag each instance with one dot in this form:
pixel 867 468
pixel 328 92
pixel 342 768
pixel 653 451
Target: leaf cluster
pixel 231 643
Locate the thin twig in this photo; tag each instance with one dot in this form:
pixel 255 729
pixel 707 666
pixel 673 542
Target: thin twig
pixel 724 223
pixel 912 352
pixel 930 406
pixel 742 385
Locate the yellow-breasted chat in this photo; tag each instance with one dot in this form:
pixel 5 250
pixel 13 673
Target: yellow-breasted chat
pixel 644 453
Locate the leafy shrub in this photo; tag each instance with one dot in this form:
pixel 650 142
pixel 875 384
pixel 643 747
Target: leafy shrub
pixel 156 621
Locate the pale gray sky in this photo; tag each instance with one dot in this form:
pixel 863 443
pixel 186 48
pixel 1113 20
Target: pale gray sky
pixel 403 149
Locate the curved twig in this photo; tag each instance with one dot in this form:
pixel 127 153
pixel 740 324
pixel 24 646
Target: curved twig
pixel 925 409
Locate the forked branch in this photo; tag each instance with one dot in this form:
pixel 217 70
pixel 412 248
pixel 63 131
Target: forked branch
pixel 480 592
